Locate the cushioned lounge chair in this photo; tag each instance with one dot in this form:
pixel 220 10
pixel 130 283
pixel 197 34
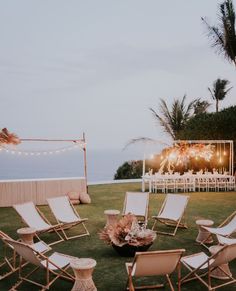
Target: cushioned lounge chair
pixel 172 212
pixel 66 215
pixel 155 263
pixel 33 217
pixel 137 204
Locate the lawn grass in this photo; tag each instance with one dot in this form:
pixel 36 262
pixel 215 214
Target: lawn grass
pixel 110 273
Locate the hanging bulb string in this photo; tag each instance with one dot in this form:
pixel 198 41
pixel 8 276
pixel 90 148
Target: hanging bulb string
pixel 9 150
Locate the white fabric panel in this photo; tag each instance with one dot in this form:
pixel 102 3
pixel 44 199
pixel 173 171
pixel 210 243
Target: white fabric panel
pixel 196 260
pixel 58 259
pixel 225 240
pixel 136 203
pixel 62 209
pixel 31 216
pixel 174 207
pixel 224 230
pixel 40 247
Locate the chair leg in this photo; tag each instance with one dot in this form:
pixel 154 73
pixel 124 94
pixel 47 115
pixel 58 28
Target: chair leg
pixel 154 224
pixel 130 281
pixel 179 275
pixel 78 235
pixel 170 283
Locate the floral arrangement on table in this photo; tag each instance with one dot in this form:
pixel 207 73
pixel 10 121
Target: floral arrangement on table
pixel 127 231
pixel 181 153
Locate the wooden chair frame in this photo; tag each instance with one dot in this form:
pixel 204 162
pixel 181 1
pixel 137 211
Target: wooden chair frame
pixel 53 228
pixel 62 272
pixel 130 285
pixel 9 260
pixel 170 222
pixel 65 226
pixel 193 274
pixel 224 223
pixel 12 261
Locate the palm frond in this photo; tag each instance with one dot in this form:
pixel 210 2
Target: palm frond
pixel 145 140
pixel 164 122
pixel 223 36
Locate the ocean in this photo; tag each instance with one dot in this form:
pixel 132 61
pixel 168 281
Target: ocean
pixel 101 164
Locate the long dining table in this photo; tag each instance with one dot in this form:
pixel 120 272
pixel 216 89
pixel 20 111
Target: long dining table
pixel 150 179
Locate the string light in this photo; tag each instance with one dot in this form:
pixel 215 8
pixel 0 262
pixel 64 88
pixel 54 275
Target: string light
pixel 39 153
pixel 224 153
pixel 220 159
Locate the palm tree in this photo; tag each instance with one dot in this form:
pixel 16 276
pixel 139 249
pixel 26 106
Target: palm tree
pixel 174 120
pixel 201 106
pixel 219 91
pixel 223 36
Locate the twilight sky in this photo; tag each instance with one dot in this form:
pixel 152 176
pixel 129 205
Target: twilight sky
pixel 97 66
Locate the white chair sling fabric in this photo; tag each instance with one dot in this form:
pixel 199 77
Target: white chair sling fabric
pixel 40 247
pixel 172 212
pixel 226 240
pixel 225 230
pixel 174 207
pixel 31 216
pixel 67 216
pixel 62 209
pixel 35 219
pixel 154 263
pixel 137 203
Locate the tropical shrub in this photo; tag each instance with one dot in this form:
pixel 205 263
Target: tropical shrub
pixel 221 125
pixel 134 169
pixel 211 126
pixel 129 170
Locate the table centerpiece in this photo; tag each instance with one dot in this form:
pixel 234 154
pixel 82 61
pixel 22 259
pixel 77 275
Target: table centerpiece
pixel 128 236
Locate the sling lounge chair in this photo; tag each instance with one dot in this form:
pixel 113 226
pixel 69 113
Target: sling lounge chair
pixel 10 259
pixel 226 228
pixel 201 265
pixel 66 215
pixel 155 263
pixel 54 266
pixel 33 217
pixel 136 203
pixel 172 212
pixel 225 240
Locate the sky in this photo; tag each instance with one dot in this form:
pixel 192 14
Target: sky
pixel 68 67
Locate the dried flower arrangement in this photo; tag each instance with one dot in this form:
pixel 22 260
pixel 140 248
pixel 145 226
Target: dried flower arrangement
pixel 127 231
pixel 181 153
pixel 8 138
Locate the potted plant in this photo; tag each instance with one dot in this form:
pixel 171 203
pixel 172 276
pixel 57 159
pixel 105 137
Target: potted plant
pixel 127 236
